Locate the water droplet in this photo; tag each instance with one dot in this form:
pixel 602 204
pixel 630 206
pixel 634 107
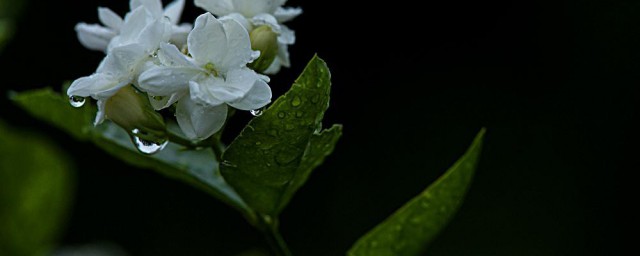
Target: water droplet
pixel 229 164
pixel 273 133
pixel 146 145
pixel 289 127
pixel 282 114
pixel 296 101
pixel 287 156
pixel 315 99
pixel 77 101
pixel 257 112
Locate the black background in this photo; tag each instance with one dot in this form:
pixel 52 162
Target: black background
pixel 554 82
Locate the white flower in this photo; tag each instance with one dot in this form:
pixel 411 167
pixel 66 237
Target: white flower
pixel 213 77
pixel 140 40
pixel 253 13
pixel 98 37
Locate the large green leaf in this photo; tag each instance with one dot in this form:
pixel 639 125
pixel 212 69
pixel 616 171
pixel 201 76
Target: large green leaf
pixel 267 162
pixel 410 229
pixel 198 168
pixel 36 187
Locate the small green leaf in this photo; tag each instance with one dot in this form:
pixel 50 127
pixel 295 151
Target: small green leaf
pixel 36 188
pixel 410 229
pixel 320 146
pixel 264 162
pixel 197 168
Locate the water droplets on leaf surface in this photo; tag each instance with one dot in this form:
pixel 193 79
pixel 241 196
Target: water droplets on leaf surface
pixel 77 101
pixel 296 101
pixel 146 145
pixel 257 112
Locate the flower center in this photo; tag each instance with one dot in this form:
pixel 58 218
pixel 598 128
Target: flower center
pixel 211 68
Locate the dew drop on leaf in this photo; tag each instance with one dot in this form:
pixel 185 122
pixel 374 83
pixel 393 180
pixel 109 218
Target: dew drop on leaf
pixel 296 101
pixel 77 101
pixel 147 146
pixel 256 112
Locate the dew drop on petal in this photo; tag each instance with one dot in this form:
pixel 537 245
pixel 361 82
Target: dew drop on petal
pixel 257 112
pixel 77 101
pixel 147 146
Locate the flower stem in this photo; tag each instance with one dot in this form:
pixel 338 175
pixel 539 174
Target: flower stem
pixel 186 142
pixel 270 230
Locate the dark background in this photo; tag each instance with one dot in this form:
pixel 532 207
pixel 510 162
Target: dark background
pixel 554 82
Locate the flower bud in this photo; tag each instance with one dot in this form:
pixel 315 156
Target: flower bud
pixel 132 111
pixel 263 39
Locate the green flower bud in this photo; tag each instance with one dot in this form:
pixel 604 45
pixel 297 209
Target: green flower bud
pixel 263 39
pixel 132 111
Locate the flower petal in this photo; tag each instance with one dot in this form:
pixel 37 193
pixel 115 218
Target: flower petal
pixel 240 19
pixel 198 121
pixel 258 97
pixel 94 37
pixel 101 115
pixel 217 7
pixel 179 34
pixel 238 50
pixel 287 14
pixel 169 55
pixel 99 86
pixel 250 8
pixel 163 102
pixel 243 79
pixel 153 34
pixel 164 81
pixel 266 19
pixel 110 18
pixel 154 7
pixel 200 91
pixel 287 36
pixel 134 22
pixel 123 61
pixel 174 10
pixel 207 41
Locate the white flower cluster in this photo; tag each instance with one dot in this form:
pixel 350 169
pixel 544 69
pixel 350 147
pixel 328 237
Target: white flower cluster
pixel 200 69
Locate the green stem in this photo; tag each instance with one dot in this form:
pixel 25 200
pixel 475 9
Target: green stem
pixel 269 229
pixel 213 142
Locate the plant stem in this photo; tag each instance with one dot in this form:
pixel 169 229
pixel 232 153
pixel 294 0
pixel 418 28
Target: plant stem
pixel 270 230
pixel 186 142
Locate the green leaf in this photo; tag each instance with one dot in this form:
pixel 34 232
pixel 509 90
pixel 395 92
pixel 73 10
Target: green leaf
pixel 36 188
pixel 320 146
pixel 410 229
pixel 198 168
pixel 266 162
pixel 50 106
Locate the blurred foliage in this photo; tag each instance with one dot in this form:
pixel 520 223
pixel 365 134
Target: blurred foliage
pixel 36 187
pixel 9 10
pixel 198 168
